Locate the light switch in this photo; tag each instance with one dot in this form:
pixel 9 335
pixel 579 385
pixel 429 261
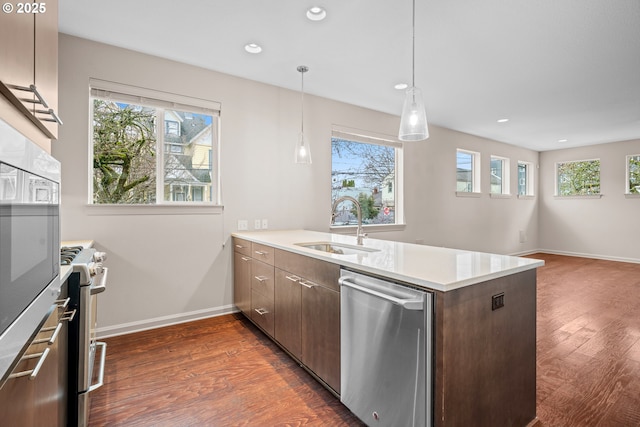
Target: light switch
pixel 265 224
pixel 243 225
pixel 257 224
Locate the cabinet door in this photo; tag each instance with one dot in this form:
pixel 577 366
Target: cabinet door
pixel 321 332
pixel 16 49
pixel 262 312
pixel 242 282
pixel 46 61
pixel 288 312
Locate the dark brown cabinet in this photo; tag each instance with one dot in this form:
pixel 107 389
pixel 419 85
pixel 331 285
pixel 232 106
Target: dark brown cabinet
pixel 242 282
pixel 307 313
pixel 41 400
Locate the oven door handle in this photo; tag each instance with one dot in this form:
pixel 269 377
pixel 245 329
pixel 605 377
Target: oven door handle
pixel 103 358
pixel 103 283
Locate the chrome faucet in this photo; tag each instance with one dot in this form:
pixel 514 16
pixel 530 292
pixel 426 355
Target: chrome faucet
pixel 359 232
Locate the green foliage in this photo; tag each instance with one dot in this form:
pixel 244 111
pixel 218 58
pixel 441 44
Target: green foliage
pixel 348 183
pixel 634 174
pixel 369 211
pixel 579 178
pixel 124 144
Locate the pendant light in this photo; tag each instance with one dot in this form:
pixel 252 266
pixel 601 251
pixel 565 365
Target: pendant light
pixel 413 122
pixel 303 151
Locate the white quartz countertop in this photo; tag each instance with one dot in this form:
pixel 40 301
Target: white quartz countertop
pixel 430 267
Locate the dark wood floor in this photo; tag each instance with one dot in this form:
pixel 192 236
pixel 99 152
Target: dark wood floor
pixel 224 372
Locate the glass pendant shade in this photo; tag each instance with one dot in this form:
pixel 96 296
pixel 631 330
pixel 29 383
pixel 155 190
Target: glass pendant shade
pixel 303 151
pixel 413 122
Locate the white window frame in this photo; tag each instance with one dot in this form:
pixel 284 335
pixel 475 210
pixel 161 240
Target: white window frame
pixel 529 179
pixel 575 196
pixel 505 179
pixel 475 174
pixel 160 100
pixel 627 190
pixel 369 137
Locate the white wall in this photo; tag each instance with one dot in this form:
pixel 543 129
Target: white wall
pixel 165 268
pixel 603 228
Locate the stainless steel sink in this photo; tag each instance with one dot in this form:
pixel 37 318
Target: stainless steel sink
pixel 337 248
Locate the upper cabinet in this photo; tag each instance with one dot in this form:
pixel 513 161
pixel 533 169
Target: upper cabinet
pixel 29 58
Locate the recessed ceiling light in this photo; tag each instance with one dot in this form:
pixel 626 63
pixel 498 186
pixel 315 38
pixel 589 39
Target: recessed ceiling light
pixel 563 140
pixel 253 48
pixel 316 13
pixel 503 120
pixel 401 86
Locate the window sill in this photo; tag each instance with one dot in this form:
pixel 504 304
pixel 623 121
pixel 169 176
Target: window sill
pixel 182 209
pixel 586 196
pixel 526 197
pixel 467 194
pixel 499 196
pixel 632 196
pixel 368 228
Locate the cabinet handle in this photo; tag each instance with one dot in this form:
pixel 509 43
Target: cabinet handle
pixel 239 246
pixel 307 284
pixel 293 278
pixel 245 258
pixel 54 117
pixel 33 373
pixel 68 316
pixel 261 311
pixel 262 253
pixel 261 279
pixel 63 303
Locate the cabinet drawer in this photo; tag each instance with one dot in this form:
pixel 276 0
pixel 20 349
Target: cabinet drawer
pixel 262 312
pixel 262 279
pixel 242 246
pixel 262 252
pixel 319 272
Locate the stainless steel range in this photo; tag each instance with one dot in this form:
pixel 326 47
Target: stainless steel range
pixel 89 278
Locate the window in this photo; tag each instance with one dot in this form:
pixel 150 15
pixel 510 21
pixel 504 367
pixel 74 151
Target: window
pixel 525 179
pixel 151 150
pixel 467 171
pixel 633 174
pixel 367 169
pixel 579 178
pixel 499 175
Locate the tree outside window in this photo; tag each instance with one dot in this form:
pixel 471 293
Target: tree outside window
pixel 366 172
pixel 633 174
pixel 579 178
pixel 133 163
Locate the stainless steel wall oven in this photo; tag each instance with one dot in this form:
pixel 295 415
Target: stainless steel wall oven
pixel 29 242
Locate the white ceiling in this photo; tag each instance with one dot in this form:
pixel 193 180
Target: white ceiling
pixel 558 69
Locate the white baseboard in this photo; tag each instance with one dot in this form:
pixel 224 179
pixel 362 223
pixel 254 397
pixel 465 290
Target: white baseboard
pixel 159 322
pixel 583 255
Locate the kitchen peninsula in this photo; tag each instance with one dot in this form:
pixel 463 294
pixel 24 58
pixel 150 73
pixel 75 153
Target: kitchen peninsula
pixel 484 314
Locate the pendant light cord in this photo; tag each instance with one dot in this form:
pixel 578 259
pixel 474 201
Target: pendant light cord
pixel 302 102
pixel 413 47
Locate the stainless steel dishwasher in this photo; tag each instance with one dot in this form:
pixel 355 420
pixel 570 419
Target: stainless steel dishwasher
pixel 386 351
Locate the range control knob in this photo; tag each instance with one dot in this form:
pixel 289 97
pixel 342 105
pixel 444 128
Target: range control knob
pixel 95 269
pixel 99 256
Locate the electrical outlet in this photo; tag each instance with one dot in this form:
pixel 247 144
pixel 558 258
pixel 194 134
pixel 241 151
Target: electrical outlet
pixel 256 224
pixel 243 225
pixel 523 236
pixel 497 301
pixel 265 224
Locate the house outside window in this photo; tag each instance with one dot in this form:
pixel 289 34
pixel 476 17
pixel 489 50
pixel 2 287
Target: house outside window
pixel 633 174
pixel 578 178
pixel 134 164
pixel 525 179
pixel 368 169
pixel 467 171
pixel 499 175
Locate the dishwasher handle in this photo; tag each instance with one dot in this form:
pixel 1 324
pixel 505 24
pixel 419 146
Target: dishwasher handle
pixel 416 303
